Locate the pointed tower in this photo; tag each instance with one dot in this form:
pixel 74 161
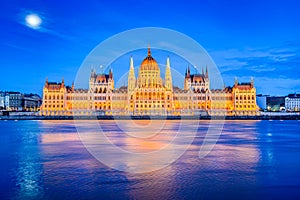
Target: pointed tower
pixel 111 85
pixel 46 83
pixel 149 50
pixel 187 80
pixel 110 75
pixel 131 76
pixel 236 81
pixel 92 79
pixel 168 76
pixel 207 82
pixel 252 82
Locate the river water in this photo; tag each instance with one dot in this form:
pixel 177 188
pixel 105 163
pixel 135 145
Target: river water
pixel 251 160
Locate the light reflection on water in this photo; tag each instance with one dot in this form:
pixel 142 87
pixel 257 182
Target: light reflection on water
pixel 252 159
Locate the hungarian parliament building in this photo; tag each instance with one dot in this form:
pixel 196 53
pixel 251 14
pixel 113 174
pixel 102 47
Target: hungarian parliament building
pixel 149 94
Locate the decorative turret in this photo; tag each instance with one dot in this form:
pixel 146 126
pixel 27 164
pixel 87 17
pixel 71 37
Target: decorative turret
pixel 206 73
pixel 111 85
pixel 187 80
pixel 47 83
pixel 110 74
pixel 236 81
pixel 93 73
pixel 252 82
pixel 149 50
pixel 188 72
pixel 168 76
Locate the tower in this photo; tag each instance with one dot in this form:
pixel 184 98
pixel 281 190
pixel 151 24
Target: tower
pixel 207 83
pixel 92 79
pixel 187 80
pixel 131 77
pixel 168 76
pixel 252 82
pixel 206 73
pixel 110 80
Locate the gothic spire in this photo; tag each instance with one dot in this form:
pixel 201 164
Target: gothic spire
pixel 168 76
pixel 110 73
pixel 131 63
pixel 46 82
pixel 168 62
pixel 131 77
pixel 206 73
pixel 149 50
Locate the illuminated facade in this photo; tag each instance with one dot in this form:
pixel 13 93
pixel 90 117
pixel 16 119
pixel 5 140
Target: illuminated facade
pixel 292 102
pixel 149 94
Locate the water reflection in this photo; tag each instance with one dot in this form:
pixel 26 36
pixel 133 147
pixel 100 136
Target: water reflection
pixel 252 159
pixel 124 152
pixel 235 153
pixel 28 169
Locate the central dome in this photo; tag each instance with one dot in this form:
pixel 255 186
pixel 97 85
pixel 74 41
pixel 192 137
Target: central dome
pixel 149 63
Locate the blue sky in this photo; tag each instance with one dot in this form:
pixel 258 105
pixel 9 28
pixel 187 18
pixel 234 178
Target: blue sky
pixel 244 38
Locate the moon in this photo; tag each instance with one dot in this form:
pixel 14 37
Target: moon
pixel 33 21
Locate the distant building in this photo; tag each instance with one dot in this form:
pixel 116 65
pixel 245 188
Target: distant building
pixel 32 102
pixel 275 103
pixel 261 101
pixel 2 100
pixel 292 102
pixel 6 102
pixel 16 101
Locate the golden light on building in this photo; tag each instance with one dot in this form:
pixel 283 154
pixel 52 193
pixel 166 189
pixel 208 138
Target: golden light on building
pixel 149 94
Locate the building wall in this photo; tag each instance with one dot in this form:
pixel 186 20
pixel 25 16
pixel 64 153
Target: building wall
pixel 2 105
pixel 261 101
pixel 149 95
pixel 244 97
pixel 292 103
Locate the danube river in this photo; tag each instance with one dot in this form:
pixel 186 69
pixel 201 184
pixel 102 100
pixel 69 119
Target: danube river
pixel 251 160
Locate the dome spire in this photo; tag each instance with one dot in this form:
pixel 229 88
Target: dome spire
pixel 149 50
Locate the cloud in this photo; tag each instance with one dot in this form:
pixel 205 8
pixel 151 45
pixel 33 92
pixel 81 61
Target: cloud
pixel 276 69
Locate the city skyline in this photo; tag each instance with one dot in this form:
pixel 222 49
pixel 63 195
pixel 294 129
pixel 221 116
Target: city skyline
pixel 243 38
